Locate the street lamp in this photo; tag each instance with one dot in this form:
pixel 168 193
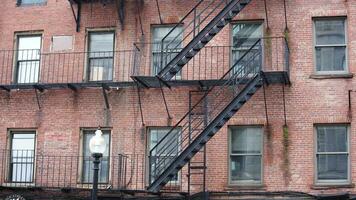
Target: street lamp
pixel 97 147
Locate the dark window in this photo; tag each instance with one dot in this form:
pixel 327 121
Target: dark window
pixel 246 155
pixel 330 45
pixel 28 58
pixel 172 44
pixel 22 156
pixel 332 153
pixel 165 152
pixel 87 170
pixel 101 56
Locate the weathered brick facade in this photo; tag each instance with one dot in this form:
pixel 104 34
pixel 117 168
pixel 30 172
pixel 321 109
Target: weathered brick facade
pixel 309 100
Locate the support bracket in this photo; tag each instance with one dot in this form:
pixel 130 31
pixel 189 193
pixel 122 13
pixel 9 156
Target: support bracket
pixel 105 88
pixel 77 12
pixel 38 99
pixel 5 88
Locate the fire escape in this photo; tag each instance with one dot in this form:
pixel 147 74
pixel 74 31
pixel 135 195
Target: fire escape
pixel 224 96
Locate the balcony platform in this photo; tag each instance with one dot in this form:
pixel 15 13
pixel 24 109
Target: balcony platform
pixel 276 77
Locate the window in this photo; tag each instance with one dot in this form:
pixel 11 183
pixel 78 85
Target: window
pixel 168 148
pixel 330 45
pixel 244 36
pixel 22 156
pixel 246 155
pixel 171 46
pixel 31 2
pixel 332 154
pixel 28 58
pixel 101 56
pixel 87 168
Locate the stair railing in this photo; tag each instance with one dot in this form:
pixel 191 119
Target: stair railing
pixel 192 22
pixel 236 77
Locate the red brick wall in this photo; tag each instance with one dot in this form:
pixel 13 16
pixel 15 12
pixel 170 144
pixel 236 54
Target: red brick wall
pixel 308 101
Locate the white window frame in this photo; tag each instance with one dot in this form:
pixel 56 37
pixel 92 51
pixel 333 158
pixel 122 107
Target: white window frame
pixel 20 3
pixel 331 182
pixel 346 70
pixel 245 182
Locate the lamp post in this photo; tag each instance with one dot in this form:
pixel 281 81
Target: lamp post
pixel 97 147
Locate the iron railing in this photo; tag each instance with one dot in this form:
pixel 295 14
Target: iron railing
pixel 27 168
pixel 245 69
pixel 212 62
pixel 34 66
pixel 21 67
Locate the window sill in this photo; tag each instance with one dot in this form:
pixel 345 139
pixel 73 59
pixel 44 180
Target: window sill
pixel 330 186
pixel 244 187
pixel 331 76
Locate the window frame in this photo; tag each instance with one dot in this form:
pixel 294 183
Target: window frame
pixel 148 149
pixel 87 71
pixel 80 179
pixel 245 182
pixel 332 182
pixel 178 76
pixel 315 46
pixel 10 133
pixel 257 21
pixel 16 61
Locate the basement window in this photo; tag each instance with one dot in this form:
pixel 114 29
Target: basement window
pixel 31 2
pixel 330 45
pixel 246 146
pixel 332 154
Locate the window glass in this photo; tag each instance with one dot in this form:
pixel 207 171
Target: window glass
pixel 101 56
pixel 246 155
pixel 28 59
pixel 244 36
pixel 31 2
pixel 171 46
pixel 87 171
pixel 332 153
pixel 330 49
pixel 165 152
pixel 22 156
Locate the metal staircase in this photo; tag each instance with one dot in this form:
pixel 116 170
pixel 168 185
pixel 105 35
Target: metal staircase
pixel 195 38
pixel 234 89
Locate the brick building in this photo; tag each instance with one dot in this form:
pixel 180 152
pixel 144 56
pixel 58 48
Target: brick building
pixel 229 99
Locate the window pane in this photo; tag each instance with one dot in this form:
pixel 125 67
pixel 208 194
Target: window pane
pixel 22 156
pixel 29 42
pixel 28 71
pixel 246 34
pixel 101 42
pixel 330 32
pixel 24 2
pixel 87 170
pixel 101 69
pixel 165 152
pixel 245 168
pixel 332 139
pixel 332 167
pixel 246 140
pixel 171 46
pixel 331 58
